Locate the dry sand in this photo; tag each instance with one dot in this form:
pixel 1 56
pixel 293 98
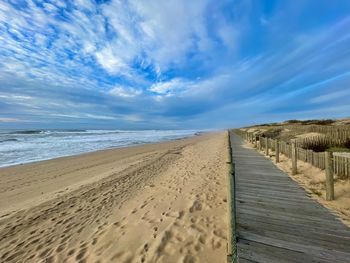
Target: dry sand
pixel 162 202
pixel 313 180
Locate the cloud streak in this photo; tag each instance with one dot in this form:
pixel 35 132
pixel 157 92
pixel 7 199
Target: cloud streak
pixel 171 63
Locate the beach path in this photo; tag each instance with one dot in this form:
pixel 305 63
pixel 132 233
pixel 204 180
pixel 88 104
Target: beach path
pixel 277 221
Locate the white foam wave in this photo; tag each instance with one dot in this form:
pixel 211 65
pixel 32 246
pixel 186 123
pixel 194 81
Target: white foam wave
pixel 27 146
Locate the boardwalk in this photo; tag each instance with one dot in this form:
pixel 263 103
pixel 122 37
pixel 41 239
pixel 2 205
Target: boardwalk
pixel 277 221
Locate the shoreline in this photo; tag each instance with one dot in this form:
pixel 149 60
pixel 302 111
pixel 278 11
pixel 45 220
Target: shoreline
pixel 106 149
pixel 42 163
pixel 31 146
pixel 157 202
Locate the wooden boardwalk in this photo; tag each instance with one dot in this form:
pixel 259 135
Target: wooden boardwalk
pixel 277 221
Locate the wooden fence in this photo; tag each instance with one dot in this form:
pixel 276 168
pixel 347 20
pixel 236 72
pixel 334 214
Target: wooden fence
pixel 341 132
pixel 316 140
pixel 341 164
pixel 318 136
pixel 340 161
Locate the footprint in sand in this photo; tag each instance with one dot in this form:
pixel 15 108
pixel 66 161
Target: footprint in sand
pixel 145 247
pixel 155 232
pixel 189 259
pixel 216 243
pixel 196 206
pixel 122 257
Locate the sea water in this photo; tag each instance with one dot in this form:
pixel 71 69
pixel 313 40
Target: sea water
pixel 23 146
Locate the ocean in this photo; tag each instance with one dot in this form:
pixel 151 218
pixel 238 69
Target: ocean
pixel 24 146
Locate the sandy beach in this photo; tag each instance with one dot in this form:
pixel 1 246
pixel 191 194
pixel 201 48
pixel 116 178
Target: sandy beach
pixel 163 202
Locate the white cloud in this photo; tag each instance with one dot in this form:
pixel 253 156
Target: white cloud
pixel 14 97
pixel 331 96
pixel 59 3
pixel 132 118
pixel 170 87
pixel 161 48
pixel 229 35
pixel 171 33
pixel 125 92
pixel 9 120
pixel 110 61
pixel 49 7
pixel 115 34
pixel 99 117
pixel 87 4
pixel 84 116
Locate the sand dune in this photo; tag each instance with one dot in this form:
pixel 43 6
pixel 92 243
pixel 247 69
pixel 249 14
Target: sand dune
pixel 164 202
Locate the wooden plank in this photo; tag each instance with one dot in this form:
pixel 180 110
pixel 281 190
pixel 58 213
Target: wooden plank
pixel 300 236
pixel 268 254
pixel 303 217
pixel 295 224
pixel 281 206
pixel 272 247
pixel 243 260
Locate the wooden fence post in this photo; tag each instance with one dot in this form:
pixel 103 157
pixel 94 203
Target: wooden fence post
pixel 309 159
pixel 266 146
pixel 260 146
pixel 255 142
pixel 277 151
pixel 294 158
pixel 329 177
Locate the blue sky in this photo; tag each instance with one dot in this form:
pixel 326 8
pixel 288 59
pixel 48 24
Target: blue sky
pixel 172 64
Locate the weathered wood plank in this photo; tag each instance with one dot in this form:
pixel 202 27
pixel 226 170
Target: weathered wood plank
pixel 252 250
pixel 243 260
pixel 268 254
pixel 295 225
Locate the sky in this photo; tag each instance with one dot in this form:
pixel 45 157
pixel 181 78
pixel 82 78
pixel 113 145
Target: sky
pixel 173 64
